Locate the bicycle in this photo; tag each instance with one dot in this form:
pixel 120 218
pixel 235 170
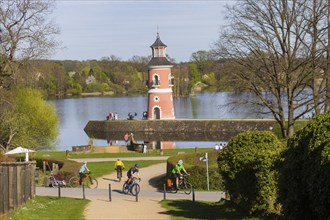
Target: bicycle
pixel 183 185
pixel 88 181
pixel 119 172
pixel 133 188
pixel 56 180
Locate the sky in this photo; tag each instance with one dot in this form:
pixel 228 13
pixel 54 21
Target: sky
pixel 93 29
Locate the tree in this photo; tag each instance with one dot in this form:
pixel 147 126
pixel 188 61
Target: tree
pixel 278 46
pixel 247 166
pixel 27 120
pixel 26 34
pixel 203 59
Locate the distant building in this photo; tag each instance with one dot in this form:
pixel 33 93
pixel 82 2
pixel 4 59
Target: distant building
pixel 160 83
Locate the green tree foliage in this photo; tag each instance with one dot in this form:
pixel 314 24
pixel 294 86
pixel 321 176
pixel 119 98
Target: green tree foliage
pixel 27 120
pixel 195 75
pixel 247 166
pixel 59 78
pixel 209 79
pixel 305 176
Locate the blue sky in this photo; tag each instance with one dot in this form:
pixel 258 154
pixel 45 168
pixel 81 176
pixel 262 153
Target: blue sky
pixel 96 29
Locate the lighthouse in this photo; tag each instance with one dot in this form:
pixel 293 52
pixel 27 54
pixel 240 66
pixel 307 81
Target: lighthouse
pixel 160 83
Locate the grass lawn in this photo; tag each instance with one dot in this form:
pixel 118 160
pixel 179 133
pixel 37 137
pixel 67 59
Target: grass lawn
pixel 185 209
pixel 101 168
pixel 167 152
pixel 47 207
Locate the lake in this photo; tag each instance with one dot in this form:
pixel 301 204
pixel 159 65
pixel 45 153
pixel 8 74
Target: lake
pixel 74 113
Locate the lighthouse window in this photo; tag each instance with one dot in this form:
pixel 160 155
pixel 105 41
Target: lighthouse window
pixel 156 80
pixel 156 99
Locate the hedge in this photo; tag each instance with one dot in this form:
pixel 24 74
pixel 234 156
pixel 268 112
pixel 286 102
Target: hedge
pixel 197 170
pixel 305 172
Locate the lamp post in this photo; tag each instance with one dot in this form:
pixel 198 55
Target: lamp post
pixel 205 159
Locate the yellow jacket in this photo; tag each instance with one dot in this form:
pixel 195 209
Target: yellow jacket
pixel 119 163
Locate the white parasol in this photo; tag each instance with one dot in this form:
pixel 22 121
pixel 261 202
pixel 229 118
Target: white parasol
pixel 20 150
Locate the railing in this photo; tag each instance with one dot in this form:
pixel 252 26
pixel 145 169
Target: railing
pixel 17 185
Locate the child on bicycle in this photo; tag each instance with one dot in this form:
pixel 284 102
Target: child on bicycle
pixel 82 172
pixel 177 172
pixel 133 171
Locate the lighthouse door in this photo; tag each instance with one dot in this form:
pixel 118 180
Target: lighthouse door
pixel 156 113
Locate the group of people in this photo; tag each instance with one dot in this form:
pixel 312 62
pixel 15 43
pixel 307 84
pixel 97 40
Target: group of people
pixel 132 172
pixel 219 147
pixel 132 116
pixel 112 116
pixel 177 171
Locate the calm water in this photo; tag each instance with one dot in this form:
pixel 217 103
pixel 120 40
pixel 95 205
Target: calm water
pixel 74 114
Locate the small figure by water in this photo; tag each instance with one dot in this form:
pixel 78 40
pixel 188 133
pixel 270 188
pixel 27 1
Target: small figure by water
pixel 126 137
pixel 216 147
pixel 116 116
pixel 110 115
pixel 145 115
pixel 130 116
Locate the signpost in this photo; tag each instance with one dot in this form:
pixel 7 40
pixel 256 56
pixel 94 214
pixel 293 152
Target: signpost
pixel 205 159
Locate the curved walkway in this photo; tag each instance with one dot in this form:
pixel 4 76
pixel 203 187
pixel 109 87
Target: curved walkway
pixel 124 206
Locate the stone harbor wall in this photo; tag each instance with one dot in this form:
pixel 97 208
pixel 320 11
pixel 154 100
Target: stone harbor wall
pixel 178 129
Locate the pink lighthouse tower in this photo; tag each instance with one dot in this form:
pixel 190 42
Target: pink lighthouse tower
pixel 160 92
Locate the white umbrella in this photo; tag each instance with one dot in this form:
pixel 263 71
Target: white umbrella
pixel 19 150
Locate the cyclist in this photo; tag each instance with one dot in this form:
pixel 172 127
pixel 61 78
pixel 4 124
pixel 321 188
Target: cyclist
pixel 177 172
pixel 119 163
pixel 133 171
pixel 82 172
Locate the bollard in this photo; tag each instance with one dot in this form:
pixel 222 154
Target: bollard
pixel 136 195
pixel 59 191
pixel 164 191
pixel 83 187
pixel 193 194
pixel 109 192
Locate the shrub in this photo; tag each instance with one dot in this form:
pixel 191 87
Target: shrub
pixel 247 166
pixel 305 172
pixel 67 168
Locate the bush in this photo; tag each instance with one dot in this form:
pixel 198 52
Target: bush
pixel 305 172
pixel 70 169
pixel 67 168
pixel 247 166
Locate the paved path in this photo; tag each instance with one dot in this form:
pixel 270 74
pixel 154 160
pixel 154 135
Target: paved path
pixel 124 206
